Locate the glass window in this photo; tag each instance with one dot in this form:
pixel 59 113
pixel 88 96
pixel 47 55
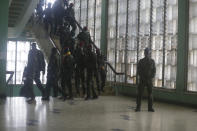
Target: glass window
pixel 98 23
pixel 132 41
pixel 11 55
pixel 157 40
pixel 83 12
pixel 111 37
pixel 192 50
pixel 151 33
pixel 121 38
pixel 171 44
pixel 23 48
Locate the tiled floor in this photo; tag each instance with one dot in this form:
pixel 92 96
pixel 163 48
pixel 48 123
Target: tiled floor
pixel 108 113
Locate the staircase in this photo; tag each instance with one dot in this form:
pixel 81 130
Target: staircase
pixel 43 39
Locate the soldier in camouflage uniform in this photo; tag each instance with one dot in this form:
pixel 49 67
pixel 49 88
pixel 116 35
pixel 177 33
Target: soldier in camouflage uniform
pixel 91 66
pixel 52 75
pixel 85 37
pixel 66 73
pixel 35 65
pixel 101 68
pixel 70 15
pixel 80 68
pixel 146 71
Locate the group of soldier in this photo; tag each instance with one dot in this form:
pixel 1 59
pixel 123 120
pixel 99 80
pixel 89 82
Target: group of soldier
pixel 56 16
pixel 83 67
pixel 81 60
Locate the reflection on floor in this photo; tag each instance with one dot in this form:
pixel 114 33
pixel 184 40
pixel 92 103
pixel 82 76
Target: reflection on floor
pixel 108 113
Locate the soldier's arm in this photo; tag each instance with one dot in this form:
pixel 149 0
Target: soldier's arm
pixel 29 58
pixel 153 69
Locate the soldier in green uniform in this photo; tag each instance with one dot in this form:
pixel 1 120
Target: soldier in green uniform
pixel 52 75
pixel 146 72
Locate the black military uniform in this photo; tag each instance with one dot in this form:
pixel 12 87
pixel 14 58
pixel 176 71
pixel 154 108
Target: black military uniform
pixel 39 11
pixel 52 75
pixel 96 74
pixel 36 64
pixel 70 17
pixel 67 72
pixel 58 11
pixel 79 69
pixel 48 17
pixel 91 64
pixel 146 71
pixel 85 37
pixel 27 89
pixel 101 69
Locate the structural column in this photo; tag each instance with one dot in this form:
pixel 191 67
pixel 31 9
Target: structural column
pixel 104 25
pixel 3 44
pixel 182 49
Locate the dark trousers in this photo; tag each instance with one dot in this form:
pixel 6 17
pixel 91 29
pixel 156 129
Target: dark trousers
pixel 149 85
pixel 103 78
pixel 38 82
pixel 90 83
pixel 51 82
pixel 66 81
pixel 96 75
pixel 79 78
pixel 28 87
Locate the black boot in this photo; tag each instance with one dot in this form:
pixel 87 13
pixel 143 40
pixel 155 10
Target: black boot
pixel 151 110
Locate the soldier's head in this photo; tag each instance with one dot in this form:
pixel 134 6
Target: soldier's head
pixel 49 5
pixel 85 28
pixel 147 52
pixel 33 46
pixel 71 5
pixel 53 51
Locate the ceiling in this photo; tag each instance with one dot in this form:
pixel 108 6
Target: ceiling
pixel 19 13
pixel 16 10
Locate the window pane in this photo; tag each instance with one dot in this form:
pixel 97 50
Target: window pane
pixel 122 13
pixel 132 41
pixel 23 48
pixel 98 22
pixel 83 12
pixel 171 44
pixel 157 40
pixel 11 48
pixel 111 37
pixel 192 52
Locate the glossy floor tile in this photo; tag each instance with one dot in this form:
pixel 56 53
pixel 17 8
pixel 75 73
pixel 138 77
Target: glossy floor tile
pixel 108 113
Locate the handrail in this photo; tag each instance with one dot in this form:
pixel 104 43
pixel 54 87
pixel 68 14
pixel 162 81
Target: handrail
pixel 117 73
pixel 54 45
